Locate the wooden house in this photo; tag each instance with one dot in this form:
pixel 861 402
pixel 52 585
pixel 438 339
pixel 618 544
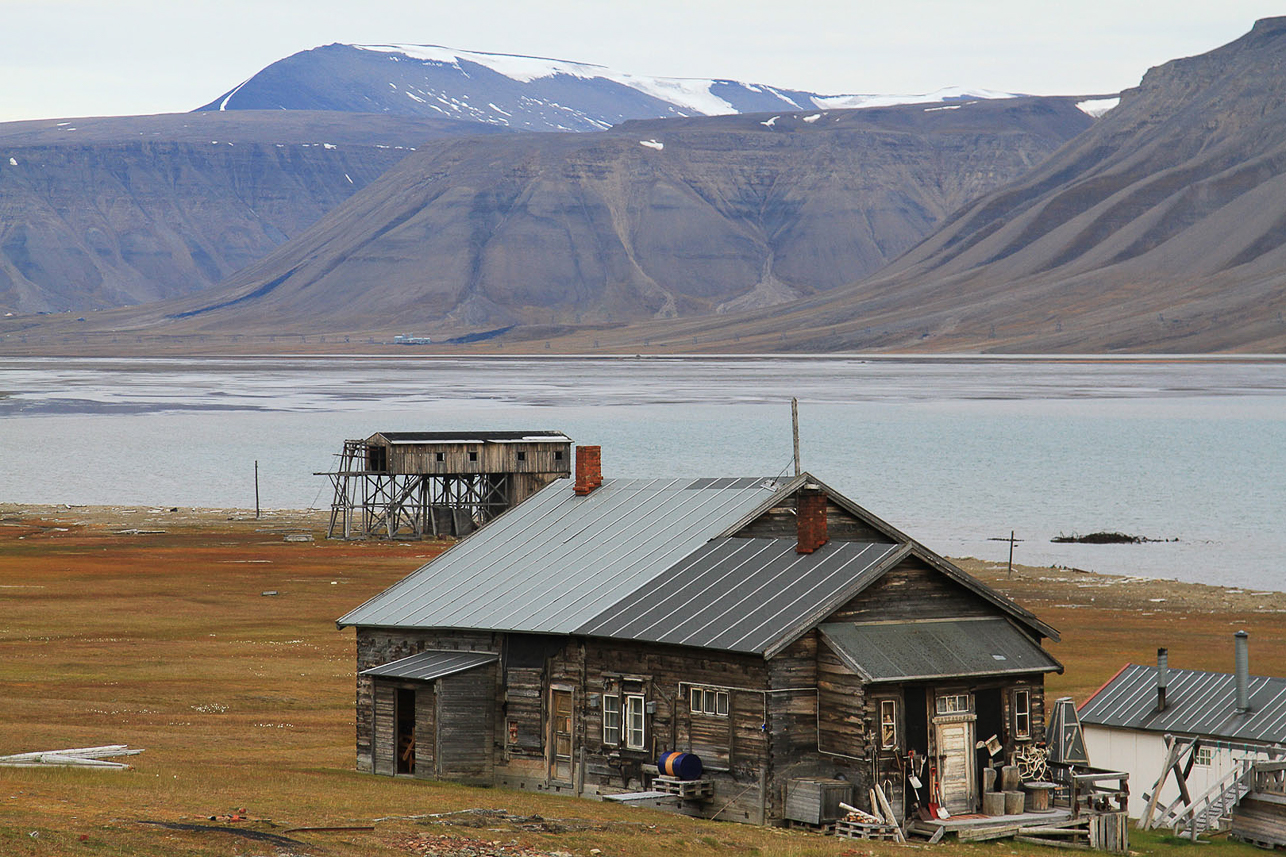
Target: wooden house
pixel 783 634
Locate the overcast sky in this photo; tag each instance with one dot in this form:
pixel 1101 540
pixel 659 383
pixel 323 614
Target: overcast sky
pixel 63 58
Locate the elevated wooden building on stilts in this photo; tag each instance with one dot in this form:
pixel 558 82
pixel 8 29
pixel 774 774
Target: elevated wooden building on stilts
pixel 412 485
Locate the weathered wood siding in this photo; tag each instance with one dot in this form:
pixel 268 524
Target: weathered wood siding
pixel 422 458
pixel 779 522
pixel 913 590
pixel 384 746
pixel 426 731
pixel 466 725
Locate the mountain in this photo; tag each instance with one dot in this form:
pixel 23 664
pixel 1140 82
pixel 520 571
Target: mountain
pixel 100 212
pixel 653 219
pixel 525 93
pixel 1160 228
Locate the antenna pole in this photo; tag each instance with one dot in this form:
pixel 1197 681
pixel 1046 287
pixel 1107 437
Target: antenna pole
pixel 794 426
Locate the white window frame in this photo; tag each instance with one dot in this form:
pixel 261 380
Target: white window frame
pixel 954 703
pixel 612 719
pixel 888 708
pixel 634 721
pixel 708 701
pixel 1203 757
pixel 1022 714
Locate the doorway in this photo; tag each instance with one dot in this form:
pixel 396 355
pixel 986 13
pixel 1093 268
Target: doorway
pixel 404 742
pixel 954 727
pixel 560 736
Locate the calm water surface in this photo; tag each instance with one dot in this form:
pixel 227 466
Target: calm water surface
pixel 953 451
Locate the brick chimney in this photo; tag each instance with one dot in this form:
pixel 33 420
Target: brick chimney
pixel 589 469
pixel 810 518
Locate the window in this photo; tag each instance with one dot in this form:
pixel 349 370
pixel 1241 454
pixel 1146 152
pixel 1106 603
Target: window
pixel 955 703
pixel 1022 714
pixel 708 700
pixel 611 719
pixel 473 456
pixel 1203 757
pixel 441 456
pixel 635 720
pixel 888 724
pixel 522 455
pixel 558 455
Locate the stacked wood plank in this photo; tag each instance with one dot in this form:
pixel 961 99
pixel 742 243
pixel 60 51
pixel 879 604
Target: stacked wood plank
pixel 684 789
pixel 82 757
pixel 880 824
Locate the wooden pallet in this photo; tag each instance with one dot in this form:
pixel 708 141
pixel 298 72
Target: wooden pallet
pixel 684 789
pixel 861 830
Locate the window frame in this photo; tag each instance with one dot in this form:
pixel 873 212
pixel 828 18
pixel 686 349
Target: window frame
pixel 950 703
pixel 707 701
pixel 612 731
pixel 1022 714
pixel 890 735
pixel 633 721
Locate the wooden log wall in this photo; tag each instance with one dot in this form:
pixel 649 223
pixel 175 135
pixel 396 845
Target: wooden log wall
pixel 385 705
pixel 426 731
pixel 465 734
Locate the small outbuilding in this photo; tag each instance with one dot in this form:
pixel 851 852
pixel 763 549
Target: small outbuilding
pixel 1197 734
pixel 802 648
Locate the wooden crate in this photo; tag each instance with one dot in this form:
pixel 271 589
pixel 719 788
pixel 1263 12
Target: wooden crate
pixel 816 801
pixel 684 789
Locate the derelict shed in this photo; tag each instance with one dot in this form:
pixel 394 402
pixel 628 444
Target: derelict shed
pixel 775 629
pixel 400 484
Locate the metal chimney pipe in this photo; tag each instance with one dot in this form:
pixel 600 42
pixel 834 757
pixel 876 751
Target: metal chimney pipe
pixel 1163 676
pixel 1242 661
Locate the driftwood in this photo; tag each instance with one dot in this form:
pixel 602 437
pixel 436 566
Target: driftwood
pixel 79 757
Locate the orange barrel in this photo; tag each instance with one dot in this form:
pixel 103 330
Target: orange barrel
pixel 683 766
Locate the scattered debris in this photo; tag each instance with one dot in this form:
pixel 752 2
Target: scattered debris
pixel 82 757
pixel 445 845
pixel 298 537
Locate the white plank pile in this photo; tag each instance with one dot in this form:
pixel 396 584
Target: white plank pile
pixel 859 824
pixel 81 757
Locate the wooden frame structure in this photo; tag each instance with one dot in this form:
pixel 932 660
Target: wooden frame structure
pixel 416 485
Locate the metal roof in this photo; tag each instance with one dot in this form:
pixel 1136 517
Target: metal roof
pixel 929 649
pixel 556 560
pixel 473 437
pixel 431 664
pixel 1197 703
pixel 741 595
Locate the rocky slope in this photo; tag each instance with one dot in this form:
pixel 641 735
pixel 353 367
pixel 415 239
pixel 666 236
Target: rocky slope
pixel 525 93
pixel 650 220
pixel 102 212
pixel 1163 227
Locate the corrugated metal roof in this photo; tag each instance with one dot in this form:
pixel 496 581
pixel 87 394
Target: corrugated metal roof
pixel 557 560
pixel 473 436
pixel 740 594
pixel 904 651
pixel 431 664
pixel 1197 703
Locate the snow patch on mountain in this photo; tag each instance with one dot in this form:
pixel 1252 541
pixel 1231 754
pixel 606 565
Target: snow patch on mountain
pixel 1096 107
pixel 949 93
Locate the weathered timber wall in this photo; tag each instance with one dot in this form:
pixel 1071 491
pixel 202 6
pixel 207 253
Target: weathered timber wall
pixel 546 458
pixel 912 590
pixel 779 522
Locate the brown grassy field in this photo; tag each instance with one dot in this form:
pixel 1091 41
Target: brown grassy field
pixel 165 641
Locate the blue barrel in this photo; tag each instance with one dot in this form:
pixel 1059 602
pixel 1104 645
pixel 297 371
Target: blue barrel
pixel 683 766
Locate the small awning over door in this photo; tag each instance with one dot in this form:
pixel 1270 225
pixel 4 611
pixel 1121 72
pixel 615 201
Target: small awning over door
pixel 431 664
pixel 936 649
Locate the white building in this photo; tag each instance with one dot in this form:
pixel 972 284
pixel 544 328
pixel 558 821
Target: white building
pixel 1235 717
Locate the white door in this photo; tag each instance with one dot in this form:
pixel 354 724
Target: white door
pixel 956 761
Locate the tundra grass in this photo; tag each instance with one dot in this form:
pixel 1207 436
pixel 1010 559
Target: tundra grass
pixel 243 700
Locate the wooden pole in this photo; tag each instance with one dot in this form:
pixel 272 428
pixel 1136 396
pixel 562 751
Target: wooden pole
pixel 256 489
pixel 794 430
pixel 1011 553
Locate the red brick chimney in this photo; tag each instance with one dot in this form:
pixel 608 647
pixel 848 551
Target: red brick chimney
pixel 810 518
pixel 589 469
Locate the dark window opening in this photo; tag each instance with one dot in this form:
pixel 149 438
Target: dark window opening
pixel 558 455
pixel 522 455
pixel 377 459
pixel 441 456
pixel 473 456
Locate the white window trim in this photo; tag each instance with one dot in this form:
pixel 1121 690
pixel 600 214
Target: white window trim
pixel 612 732
pixel 708 701
pixel 1022 714
pixel 634 721
pixel 891 705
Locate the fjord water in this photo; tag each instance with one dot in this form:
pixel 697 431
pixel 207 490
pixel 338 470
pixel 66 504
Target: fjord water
pixel 954 451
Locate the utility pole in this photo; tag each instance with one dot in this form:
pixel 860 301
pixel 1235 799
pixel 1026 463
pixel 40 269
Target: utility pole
pixel 256 489
pixel 794 425
pixel 1011 554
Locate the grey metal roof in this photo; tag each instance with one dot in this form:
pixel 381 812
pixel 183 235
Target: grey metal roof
pixel 741 595
pixel 557 560
pixel 431 664
pixel 1197 703
pixel 473 436
pixel 905 651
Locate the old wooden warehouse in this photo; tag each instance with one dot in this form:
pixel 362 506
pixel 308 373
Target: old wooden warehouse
pixel 775 629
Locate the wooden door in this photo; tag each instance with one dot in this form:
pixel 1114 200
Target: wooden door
pixel 956 761
pixel 560 736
